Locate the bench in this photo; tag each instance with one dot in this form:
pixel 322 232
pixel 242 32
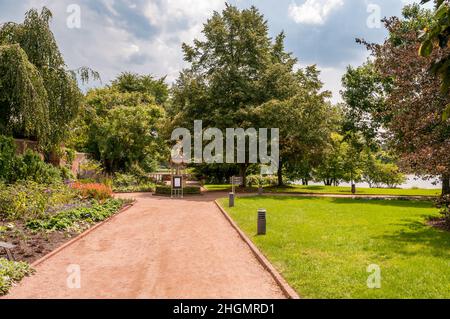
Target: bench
pixel 8 247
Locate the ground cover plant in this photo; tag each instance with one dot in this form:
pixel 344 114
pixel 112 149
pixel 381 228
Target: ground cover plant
pixel 38 218
pixel 12 272
pixel 323 246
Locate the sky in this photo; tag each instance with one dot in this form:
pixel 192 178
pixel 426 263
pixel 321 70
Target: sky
pixel 145 36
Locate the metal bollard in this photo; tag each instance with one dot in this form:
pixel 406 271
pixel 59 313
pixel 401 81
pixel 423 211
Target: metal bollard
pixel 262 221
pixel 231 200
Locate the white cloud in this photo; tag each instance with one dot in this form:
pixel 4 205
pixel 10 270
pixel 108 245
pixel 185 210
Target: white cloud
pixel 313 12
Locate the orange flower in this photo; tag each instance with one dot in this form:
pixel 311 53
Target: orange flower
pixel 92 190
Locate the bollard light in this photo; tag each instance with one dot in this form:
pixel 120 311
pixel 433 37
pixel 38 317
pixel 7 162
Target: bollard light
pixel 231 200
pixel 262 221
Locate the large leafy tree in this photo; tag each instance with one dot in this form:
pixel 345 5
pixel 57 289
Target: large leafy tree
pixel 121 127
pixel 233 71
pixel 132 82
pixel 39 96
pixel 415 103
pixel 304 122
pixel 435 37
pixel 364 92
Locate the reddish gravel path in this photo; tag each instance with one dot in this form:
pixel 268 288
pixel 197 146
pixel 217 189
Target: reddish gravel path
pixel 160 248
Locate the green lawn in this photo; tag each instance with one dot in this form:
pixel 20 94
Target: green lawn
pixel 338 190
pixel 323 246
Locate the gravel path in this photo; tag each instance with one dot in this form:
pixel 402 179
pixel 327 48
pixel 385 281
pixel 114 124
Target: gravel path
pixel 160 248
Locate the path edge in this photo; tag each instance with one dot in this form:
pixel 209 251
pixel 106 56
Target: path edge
pixel 287 290
pixel 81 236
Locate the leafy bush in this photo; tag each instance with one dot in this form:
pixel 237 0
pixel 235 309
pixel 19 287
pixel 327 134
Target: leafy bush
pixel 91 169
pixel 25 200
pixel 166 190
pixel 258 180
pixel 93 190
pixel 78 218
pixel 11 272
pixel 126 183
pixel 7 158
pixel 29 166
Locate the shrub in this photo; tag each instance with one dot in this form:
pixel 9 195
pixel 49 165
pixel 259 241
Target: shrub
pixel 28 167
pixel 12 272
pixel 78 218
pixel 26 200
pixel 7 158
pixel 93 190
pixel 126 183
pixel 258 180
pixel 90 169
pixel 31 167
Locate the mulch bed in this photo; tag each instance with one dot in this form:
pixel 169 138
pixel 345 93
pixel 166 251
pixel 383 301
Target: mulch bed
pixel 440 223
pixel 31 245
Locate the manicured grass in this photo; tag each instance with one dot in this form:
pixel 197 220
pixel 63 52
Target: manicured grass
pixel 323 246
pixel 338 190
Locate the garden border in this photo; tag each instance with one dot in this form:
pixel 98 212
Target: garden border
pixel 81 236
pixel 287 290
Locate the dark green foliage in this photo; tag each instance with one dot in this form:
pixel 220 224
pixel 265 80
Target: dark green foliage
pixel 132 82
pixel 12 272
pixel 27 167
pixel 78 218
pixel 36 86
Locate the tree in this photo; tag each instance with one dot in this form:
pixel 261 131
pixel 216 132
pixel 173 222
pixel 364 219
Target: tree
pixel 415 104
pixel 39 97
pixel 304 123
pixel 331 168
pixel 132 82
pixel 379 169
pixel 364 94
pixel 437 35
pixel 233 71
pixel 122 129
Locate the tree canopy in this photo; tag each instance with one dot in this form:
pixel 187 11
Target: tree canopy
pixel 40 96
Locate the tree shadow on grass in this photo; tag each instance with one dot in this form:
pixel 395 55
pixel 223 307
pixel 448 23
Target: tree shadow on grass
pixel 384 202
pixel 349 201
pixel 412 233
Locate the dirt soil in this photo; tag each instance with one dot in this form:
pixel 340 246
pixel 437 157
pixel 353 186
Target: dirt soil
pixel 160 248
pixel 31 246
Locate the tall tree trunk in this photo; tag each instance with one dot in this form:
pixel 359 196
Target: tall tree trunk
pixel 243 174
pixel 445 184
pixel 280 174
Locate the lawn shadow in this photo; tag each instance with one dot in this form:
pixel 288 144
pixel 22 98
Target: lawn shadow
pixel 385 202
pixel 437 241
pixel 349 201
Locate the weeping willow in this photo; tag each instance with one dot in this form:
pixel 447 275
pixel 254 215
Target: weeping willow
pixel 39 96
pixel 23 98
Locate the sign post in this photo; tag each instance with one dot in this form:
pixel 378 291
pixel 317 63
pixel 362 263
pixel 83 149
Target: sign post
pixel 177 186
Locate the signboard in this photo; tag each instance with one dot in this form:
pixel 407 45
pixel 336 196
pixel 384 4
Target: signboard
pixel 177 182
pixel 236 180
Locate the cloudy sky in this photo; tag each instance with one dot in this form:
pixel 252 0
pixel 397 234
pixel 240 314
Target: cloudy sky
pixel 145 36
